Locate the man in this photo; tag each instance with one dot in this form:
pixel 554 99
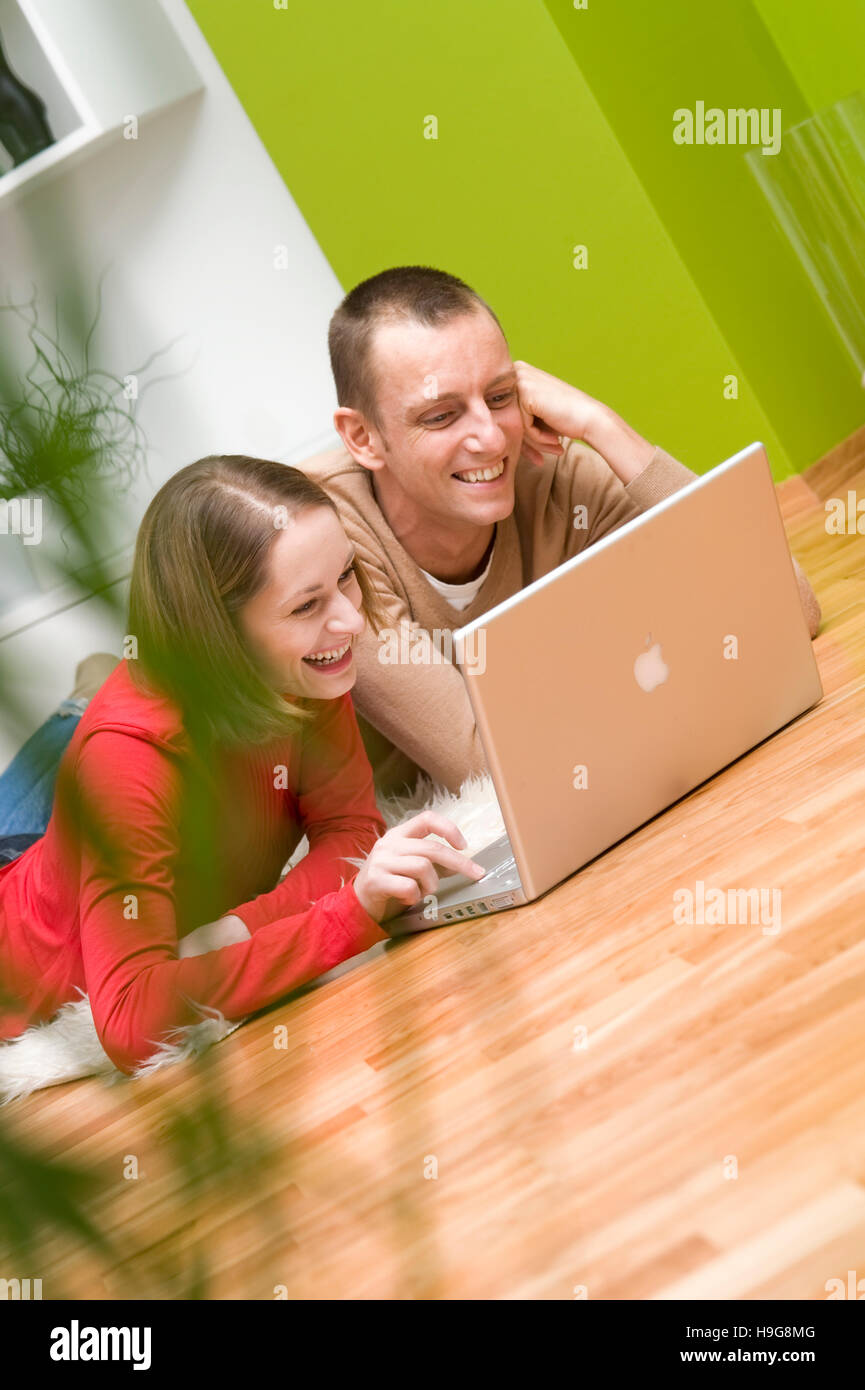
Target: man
pixel 464 477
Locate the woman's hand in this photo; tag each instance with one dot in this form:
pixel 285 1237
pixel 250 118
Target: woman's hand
pixel 399 871
pixel 551 409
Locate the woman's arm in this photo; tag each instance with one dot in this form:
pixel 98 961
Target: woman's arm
pixel 400 869
pixel 212 936
pixel 138 987
pixel 336 804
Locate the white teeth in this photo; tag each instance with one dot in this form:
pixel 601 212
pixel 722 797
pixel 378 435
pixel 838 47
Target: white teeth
pixel 482 475
pixel 325 658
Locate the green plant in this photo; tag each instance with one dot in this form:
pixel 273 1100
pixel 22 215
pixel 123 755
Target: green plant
pixel 64 423
pixel 69 434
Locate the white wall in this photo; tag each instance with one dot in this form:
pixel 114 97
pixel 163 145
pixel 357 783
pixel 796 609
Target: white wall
pixel 187 217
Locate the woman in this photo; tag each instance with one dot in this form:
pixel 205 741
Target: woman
pixel 226 735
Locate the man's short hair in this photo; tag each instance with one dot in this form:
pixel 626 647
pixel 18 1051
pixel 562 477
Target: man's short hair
pixel 416 293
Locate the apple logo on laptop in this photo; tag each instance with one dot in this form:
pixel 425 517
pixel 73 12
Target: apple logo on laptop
pixel 650 669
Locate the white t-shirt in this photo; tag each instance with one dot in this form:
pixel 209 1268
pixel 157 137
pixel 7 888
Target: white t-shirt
pixel 459 596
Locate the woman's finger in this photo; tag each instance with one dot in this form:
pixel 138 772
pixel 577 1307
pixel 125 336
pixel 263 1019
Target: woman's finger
pixel 402 892
pixel 437 853
pixel 431 823
pixel 407 862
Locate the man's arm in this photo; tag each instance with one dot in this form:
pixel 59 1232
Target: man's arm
pixel 552 409
pixel 420 706
pixel 810 604
pixel 625 451
pixel 659 476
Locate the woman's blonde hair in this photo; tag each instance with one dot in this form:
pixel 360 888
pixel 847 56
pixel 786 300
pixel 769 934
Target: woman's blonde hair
pixel 201 554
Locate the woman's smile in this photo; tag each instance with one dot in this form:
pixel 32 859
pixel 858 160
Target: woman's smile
pixel 331 659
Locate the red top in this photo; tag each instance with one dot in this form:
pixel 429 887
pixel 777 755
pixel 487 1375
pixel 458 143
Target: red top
pixel 70 917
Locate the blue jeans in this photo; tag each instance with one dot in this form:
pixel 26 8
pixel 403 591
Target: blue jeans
pixel 27 785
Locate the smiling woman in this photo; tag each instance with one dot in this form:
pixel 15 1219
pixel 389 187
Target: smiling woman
pixel 197 768
pixel 242 571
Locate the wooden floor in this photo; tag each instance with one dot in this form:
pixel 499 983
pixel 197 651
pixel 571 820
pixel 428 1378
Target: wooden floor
pixel 615 1106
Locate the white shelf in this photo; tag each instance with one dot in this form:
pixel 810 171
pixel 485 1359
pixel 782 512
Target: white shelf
pixel 41 165
pixel 95 64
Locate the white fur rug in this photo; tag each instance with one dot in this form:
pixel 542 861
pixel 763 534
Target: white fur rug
pixel 67 1048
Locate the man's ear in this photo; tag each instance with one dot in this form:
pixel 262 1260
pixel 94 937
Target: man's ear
pixel 362 442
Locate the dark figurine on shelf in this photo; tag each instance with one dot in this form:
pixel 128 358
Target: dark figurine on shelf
pixel 24 129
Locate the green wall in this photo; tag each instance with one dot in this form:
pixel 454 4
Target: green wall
pixel 555 129
pixel 823 46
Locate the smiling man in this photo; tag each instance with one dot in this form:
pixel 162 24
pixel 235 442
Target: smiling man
pixel 464 476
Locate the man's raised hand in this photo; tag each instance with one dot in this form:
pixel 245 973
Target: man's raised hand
pixel 552 409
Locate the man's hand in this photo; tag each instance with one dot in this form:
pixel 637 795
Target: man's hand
pixel 551 408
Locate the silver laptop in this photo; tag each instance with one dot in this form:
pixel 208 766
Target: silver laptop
pixel 617 683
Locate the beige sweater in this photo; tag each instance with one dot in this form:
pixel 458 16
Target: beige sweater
pixel 417 717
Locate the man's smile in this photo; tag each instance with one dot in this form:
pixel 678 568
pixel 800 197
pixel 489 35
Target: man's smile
pixel 483 476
